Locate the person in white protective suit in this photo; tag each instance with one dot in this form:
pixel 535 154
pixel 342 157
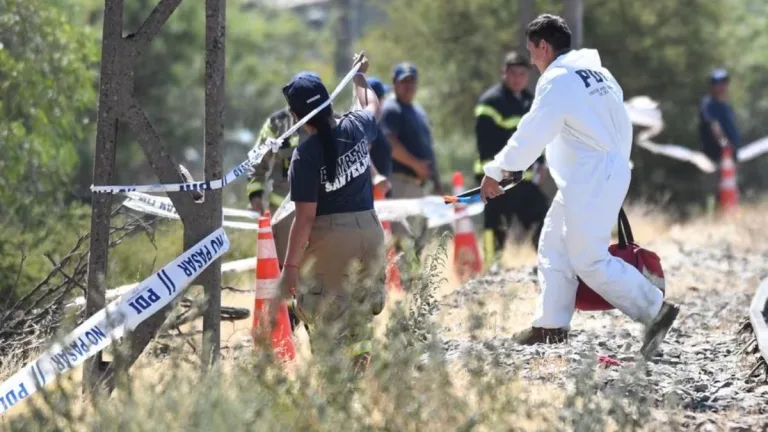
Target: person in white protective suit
pixel 578 116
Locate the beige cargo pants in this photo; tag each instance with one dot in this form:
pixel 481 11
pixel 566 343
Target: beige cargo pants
pixel 345 288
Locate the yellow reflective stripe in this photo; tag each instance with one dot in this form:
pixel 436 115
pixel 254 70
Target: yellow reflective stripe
pixel 266 130
pixel 506 123
pixel 490 248
pixel 359 348
pixel 254 186
pixel 527 175
pixel 294 140
pixel 275 199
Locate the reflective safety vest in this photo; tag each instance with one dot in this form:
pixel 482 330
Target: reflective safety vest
pixel 277 124
pixel 497 114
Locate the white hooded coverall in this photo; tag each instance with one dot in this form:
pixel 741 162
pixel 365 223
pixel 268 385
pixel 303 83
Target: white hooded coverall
pixel 578 115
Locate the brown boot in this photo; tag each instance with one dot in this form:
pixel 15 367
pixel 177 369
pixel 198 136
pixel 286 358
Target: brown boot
pixel 539 335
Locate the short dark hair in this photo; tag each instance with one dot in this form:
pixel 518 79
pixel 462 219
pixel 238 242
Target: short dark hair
pixel 550 28
pixel 515 58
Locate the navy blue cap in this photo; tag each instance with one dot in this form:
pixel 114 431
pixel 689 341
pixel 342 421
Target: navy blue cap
pixel 403 70
pixel 719 75
pixel 305 93
pixel 377 86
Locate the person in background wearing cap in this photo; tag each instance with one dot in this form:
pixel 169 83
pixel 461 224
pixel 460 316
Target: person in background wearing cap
pixel 497 114
pixel 335 220
pixel 381 148
pixel 406 126
pixel 717 129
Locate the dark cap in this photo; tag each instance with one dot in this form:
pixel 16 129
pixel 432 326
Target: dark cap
pixel 377 86
pixel 514 58
pixel 404 70
pixel 305 93
pixel 718 76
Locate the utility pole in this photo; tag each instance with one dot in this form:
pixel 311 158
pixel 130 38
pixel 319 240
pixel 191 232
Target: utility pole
pixel 525 16
pixel 342 54
pixel 215 64
pixel 574 16
pixel 118 106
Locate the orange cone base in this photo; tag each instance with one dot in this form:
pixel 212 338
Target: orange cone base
pixel 729 203
pixel 282 342
pixel 467 261
pixel 393 273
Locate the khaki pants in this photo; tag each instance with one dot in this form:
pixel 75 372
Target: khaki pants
pixel 346 254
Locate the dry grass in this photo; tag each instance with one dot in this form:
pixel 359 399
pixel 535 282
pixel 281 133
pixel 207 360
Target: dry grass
pixel 502 312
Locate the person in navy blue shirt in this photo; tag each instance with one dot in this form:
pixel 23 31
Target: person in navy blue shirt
pixel 406 126
pixel 717 127
pixel 330 180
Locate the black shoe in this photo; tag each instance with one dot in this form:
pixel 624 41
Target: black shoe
pixel 657 329
pixel 539 335
pixel 187 176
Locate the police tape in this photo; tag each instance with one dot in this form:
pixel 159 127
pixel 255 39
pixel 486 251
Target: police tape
pixel 430 207
pixel 112 322
pixel 237 266
pixel 395 210
pixel 644 111
pixel 255 155
pixel 163 207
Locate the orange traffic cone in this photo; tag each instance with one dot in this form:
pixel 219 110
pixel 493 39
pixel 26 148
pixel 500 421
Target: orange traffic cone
pixel 466 253
pixel 393 273
pixel 729 191
pixel 267 296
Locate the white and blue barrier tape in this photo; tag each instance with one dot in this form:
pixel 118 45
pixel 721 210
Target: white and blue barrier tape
pixel 112 322
pixel 255 155
pixel 643 111
pixel 163 207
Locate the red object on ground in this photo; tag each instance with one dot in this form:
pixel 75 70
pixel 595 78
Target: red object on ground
pixel 608 361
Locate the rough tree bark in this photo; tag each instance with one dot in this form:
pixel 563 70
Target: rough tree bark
pixel 116 101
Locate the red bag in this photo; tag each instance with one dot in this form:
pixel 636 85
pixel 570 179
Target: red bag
pixel 646 261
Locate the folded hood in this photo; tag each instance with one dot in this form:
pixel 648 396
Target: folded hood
pixel 581 58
